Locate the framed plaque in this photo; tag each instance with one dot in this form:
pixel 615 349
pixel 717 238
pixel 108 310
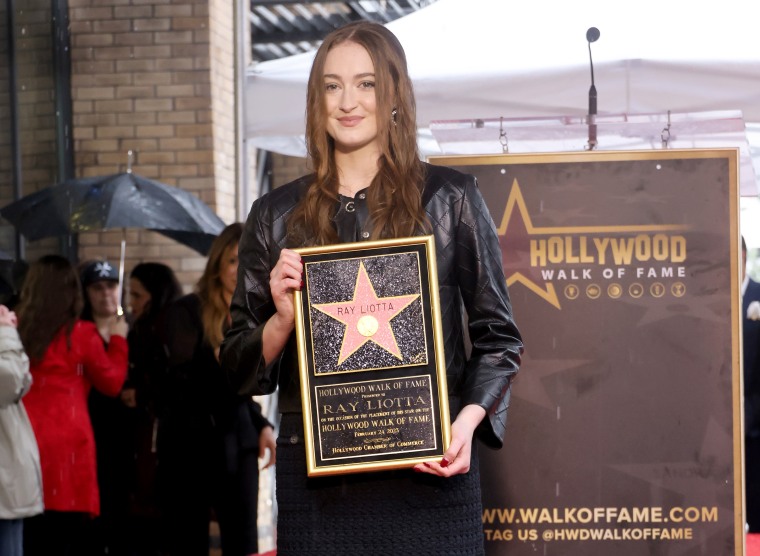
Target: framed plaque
pixel 370 354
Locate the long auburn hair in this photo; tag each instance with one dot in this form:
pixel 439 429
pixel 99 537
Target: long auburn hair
pixel 214 309
pixel 161 283
pixel 394 198
pixel 50 300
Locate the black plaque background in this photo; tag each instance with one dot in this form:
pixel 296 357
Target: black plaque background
pixel 335 282
pixel 433 369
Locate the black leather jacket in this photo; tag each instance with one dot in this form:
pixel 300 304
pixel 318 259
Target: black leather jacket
pixel 470 275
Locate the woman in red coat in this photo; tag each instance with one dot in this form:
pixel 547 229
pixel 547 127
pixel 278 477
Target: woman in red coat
pixel 67 359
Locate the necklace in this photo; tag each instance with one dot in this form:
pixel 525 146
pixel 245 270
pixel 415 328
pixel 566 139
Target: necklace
pixel 348 191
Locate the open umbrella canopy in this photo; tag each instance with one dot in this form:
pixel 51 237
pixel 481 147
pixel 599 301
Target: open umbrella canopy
pixel 123 200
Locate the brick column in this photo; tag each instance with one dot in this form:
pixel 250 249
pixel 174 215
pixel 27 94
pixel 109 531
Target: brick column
pixel 155 77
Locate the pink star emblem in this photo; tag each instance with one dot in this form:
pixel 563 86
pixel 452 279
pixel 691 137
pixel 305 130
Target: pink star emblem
pixel 367 317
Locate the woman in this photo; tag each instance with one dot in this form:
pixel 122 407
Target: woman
pixel 67 359
pixel 20 486
pixel 369 184
pixel 152 288
pixel 212 438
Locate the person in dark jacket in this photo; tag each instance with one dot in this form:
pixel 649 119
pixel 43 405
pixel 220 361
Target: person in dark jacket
pixel 152 288
pixel 751 360
pixel 211 439
pixel 112 420
pixel 369 184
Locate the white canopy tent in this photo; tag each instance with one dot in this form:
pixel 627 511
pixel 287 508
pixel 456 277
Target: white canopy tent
pixel 491 59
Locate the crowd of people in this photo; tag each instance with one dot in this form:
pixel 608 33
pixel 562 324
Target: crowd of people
pixel 118 433
pixel 122 438
pixel 144 430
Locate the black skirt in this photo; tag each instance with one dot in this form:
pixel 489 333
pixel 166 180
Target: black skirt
pixel 379 513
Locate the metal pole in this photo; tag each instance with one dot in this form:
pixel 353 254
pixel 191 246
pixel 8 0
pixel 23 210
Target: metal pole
pixel 242 59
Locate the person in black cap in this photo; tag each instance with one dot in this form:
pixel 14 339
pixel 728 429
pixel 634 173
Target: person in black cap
pixel 112 420
pixel 100 282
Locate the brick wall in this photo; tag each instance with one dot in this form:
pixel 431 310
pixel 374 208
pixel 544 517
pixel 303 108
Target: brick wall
pixel 152 76
pixel 287 168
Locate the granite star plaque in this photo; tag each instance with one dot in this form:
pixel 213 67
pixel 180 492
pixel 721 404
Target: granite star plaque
pixel 370 350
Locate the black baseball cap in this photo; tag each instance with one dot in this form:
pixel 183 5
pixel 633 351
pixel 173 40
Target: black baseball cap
pixel 97 271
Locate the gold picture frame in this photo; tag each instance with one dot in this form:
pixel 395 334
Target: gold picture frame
pixel 370 355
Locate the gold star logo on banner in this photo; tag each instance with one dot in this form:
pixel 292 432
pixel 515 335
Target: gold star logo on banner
pixel 517 232
pixel 367 317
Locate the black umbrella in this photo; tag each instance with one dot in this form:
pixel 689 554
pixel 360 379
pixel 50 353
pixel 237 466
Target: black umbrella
pixel 123 200
pixel 119 201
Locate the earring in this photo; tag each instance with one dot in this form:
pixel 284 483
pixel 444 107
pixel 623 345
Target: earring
pixel 394 113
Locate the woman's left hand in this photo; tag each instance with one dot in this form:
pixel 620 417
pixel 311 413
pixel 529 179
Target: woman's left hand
pixel 267 441
pixel 456 460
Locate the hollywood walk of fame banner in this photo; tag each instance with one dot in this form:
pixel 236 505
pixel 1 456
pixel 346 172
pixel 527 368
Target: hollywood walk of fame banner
pixel 373 379
pixel 624 431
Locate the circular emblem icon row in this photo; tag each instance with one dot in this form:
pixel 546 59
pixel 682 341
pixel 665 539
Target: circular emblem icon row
pixel 616 291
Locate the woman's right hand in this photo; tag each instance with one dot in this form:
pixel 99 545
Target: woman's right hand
pixel 119 327
pixel 286 276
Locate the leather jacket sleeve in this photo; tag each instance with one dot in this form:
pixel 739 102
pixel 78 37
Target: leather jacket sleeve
pixel 263 239
pixel 471 279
